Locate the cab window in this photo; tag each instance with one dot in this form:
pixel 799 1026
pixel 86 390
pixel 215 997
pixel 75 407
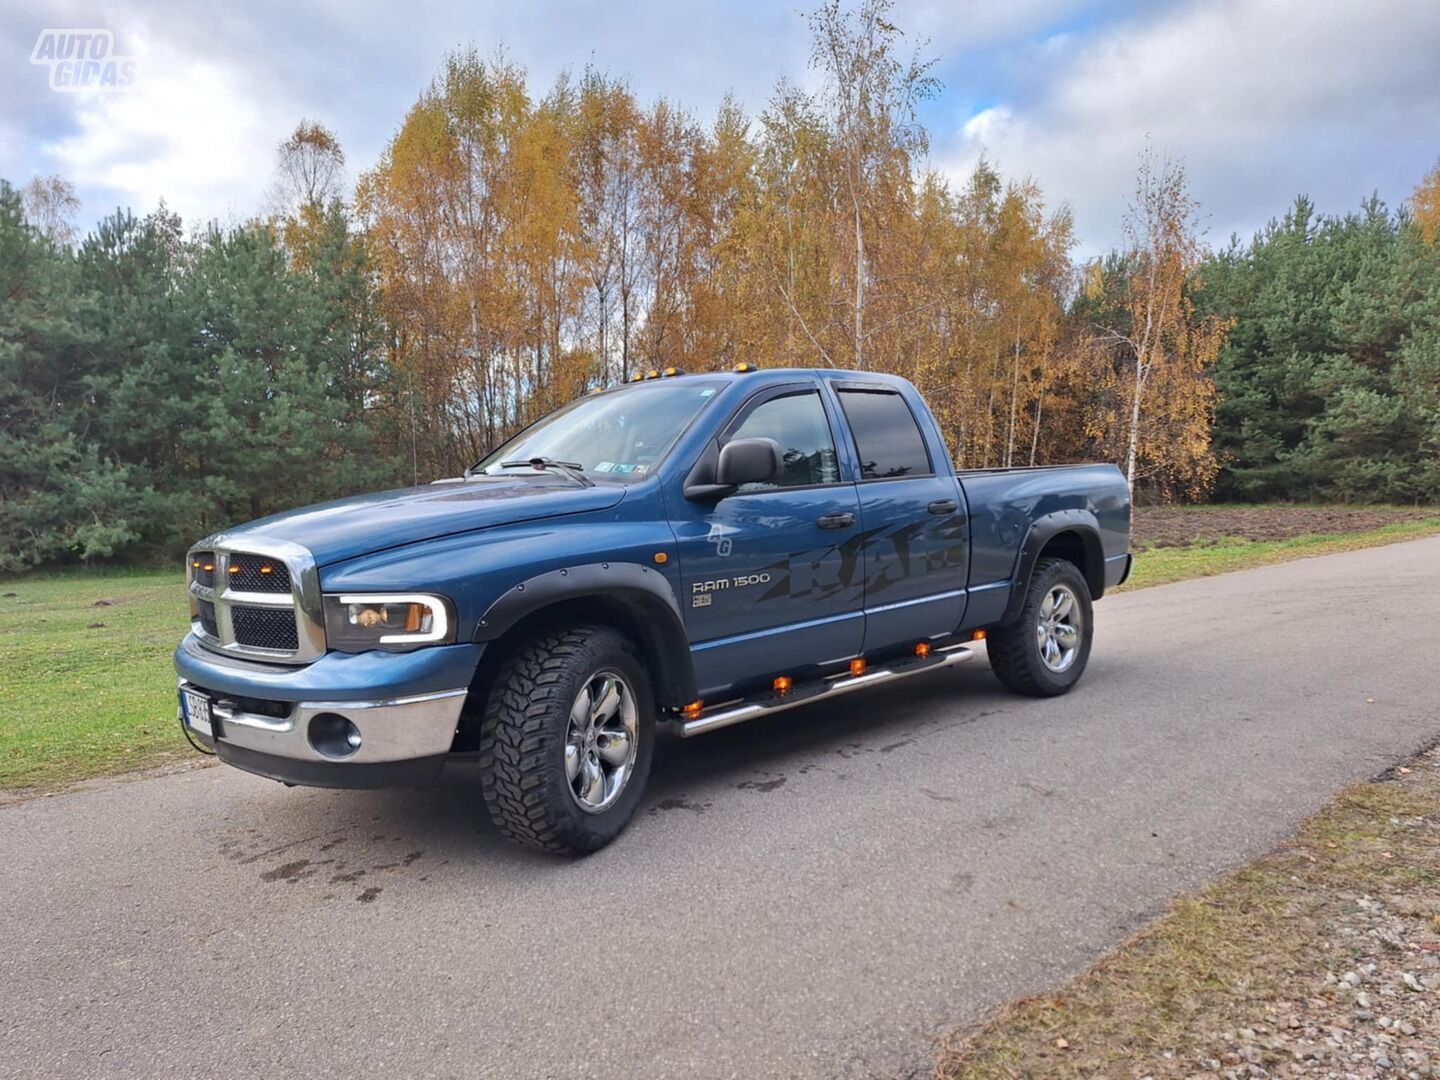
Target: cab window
pixel 797 422
pixel 886 435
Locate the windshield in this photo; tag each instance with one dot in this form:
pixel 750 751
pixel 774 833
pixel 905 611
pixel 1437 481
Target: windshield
pixel 615 436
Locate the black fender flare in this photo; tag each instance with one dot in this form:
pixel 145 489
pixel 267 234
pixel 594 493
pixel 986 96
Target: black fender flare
pixel 1044 529
pixel 645 598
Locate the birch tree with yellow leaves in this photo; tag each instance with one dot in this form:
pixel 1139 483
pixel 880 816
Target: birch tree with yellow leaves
pixel 1153 352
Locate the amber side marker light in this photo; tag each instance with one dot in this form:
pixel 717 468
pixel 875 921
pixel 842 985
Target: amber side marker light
pixel 978 635
pixel 661 558
pixel 783 684
pixel 922 650
pixel 694 709
pixel 857 666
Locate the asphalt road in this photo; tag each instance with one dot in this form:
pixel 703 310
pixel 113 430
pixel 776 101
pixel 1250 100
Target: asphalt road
pixel 819 894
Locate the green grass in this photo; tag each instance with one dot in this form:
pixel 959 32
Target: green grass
pixel 1158 566
pixel 80 700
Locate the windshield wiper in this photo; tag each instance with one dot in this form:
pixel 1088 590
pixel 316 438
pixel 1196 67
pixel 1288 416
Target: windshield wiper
pixel 572 469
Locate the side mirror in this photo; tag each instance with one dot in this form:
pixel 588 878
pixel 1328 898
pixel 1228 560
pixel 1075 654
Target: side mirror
pixel 748 461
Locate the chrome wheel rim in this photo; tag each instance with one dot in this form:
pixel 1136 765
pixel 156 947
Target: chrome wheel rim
pixel 601 740
pixel 1058 631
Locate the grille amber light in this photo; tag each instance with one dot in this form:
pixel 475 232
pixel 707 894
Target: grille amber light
pixel 208 567
pixel 922 650
pixel 692 710
pixel 783 684
pixel 857 666
pixel 978 635
pixel 267 569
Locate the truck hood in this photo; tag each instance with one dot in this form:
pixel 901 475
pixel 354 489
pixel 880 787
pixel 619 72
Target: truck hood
pixel 366 523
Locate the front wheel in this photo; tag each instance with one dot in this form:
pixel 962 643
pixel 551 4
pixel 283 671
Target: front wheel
pixel 567 739
pixel 1044 652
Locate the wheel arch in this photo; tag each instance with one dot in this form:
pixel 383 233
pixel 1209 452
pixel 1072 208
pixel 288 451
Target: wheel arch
pixel 1073 535
pixel 633 599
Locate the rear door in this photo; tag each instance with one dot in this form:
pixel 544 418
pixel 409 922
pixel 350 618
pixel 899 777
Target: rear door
pixel 915 533
pixel 770 583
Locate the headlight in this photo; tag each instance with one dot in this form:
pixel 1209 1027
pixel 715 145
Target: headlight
pixel 393 621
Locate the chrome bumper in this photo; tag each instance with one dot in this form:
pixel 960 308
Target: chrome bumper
pixel 391 730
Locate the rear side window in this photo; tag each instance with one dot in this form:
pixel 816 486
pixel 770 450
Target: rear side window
pixel 797 422
pixel 886 435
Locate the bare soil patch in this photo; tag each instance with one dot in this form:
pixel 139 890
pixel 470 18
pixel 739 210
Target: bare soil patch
pixel 1180 526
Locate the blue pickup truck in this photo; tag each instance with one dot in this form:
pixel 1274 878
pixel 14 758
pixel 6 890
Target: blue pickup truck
pixel 691 550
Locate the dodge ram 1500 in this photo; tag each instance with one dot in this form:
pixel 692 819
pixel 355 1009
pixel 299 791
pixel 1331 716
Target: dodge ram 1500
pixel 693 550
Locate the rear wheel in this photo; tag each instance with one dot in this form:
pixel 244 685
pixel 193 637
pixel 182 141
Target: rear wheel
pixel 567 739
pixel 1044 652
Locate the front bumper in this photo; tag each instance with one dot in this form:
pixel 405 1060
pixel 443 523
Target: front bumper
pixel 271 720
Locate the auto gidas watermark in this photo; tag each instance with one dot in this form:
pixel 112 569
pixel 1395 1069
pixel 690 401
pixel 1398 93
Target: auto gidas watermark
pixel 81 60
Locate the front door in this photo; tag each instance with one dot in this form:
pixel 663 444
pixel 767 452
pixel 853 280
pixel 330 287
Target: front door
pixel 772 574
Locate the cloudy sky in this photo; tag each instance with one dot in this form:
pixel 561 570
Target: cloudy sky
pixel 1262 99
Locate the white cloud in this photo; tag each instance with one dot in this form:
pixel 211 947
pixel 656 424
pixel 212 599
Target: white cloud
pixel 1263 100
pixel 193 130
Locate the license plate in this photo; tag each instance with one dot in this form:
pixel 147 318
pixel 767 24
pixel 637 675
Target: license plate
pixel 196 709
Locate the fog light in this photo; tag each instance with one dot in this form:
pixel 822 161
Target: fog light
pixel 333 736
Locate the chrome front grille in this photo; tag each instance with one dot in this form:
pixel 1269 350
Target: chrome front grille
pixel 264 628
pixel 206 611
pixel 259 598
pixel 257 573
pixel 202 567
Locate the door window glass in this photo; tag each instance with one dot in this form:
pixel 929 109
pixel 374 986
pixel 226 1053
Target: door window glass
pixel 797 422
pixel 886 435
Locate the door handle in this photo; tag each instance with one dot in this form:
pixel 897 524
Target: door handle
pixel 943 506
pixel 835 521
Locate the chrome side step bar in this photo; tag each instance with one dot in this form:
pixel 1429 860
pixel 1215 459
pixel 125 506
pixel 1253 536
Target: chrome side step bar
pixel 738 712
